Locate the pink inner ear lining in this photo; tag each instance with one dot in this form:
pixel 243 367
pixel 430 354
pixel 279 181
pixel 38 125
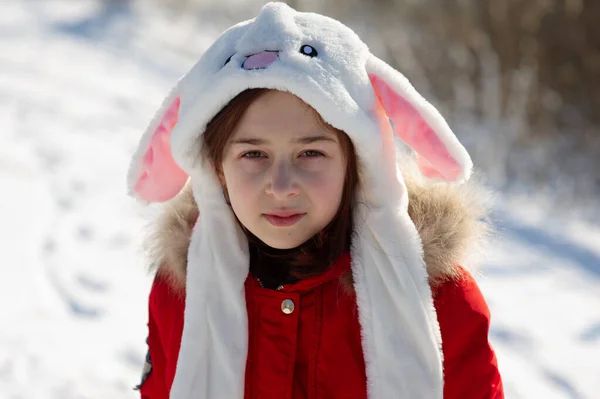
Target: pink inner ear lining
pixel 427 168
pixel 414 131
pixel 172 114
pixel 149 157
pixel 161 178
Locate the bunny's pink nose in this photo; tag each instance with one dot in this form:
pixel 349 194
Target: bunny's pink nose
pixel 260 60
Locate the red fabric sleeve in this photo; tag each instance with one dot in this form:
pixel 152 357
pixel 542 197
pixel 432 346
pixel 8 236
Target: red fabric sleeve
pixel 153 384
pixel 470 365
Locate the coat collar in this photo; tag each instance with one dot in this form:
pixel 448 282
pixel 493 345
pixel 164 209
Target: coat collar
pixel 340 268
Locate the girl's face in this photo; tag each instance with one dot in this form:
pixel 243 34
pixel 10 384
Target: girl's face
pixel 283 171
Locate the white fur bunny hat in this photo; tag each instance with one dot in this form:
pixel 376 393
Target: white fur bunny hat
pixel 325 64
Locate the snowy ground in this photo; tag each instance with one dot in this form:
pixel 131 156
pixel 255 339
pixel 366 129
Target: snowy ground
pixel 77 86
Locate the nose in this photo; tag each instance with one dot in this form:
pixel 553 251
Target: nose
pixel 282 184
pixel 260 60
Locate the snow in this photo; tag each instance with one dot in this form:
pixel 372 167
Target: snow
pixel 542 288
pixel 78 83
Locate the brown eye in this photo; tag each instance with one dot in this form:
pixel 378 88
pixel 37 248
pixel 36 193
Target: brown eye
pixel 252 154
pixel 312 154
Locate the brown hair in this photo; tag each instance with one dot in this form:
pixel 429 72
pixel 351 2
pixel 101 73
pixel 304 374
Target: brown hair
pixel 316 254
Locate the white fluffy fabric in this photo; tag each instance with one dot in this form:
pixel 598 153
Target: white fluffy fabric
pixel 401 338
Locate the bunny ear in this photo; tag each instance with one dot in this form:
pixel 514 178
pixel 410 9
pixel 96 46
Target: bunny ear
pixel 419 124
pixel 153 174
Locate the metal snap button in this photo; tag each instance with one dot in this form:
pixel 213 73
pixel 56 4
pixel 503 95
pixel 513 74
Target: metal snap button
pixel 287 306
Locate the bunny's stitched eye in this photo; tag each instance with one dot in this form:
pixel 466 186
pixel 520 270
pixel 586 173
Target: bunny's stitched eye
pixel 309 51
pixel 228 59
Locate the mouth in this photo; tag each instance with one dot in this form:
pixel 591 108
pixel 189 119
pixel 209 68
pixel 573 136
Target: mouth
pixel 283 218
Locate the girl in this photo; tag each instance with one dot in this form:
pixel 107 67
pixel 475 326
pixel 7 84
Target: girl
pixel 294 260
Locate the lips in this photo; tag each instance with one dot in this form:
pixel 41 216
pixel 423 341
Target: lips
pixel 283 218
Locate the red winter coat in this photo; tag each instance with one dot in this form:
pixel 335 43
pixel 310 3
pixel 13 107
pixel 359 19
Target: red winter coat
pixel 315 351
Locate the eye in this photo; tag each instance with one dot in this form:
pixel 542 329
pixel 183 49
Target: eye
pixel 252 154
pixel 309 51
pixel 313 154
pixel 228 59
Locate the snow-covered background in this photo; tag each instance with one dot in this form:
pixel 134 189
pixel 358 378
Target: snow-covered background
pixel 78 83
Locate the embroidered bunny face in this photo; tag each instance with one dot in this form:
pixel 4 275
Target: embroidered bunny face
pixel 309 42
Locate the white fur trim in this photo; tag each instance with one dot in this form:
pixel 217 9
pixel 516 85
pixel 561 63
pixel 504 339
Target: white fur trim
pixel 212 357
pixel 387 239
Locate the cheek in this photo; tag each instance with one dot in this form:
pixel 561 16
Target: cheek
pixel 236 183
pixel 241 183
pixel 327 185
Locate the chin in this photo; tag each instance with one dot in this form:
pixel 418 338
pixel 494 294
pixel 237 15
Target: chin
pixel 281 240
pixel 281 244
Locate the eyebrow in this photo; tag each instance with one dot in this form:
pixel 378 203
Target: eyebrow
pixel 302 140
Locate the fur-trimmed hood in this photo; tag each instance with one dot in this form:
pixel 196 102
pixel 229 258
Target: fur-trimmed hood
pixel 451 220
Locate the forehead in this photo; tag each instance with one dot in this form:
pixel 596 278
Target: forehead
pixel 280 113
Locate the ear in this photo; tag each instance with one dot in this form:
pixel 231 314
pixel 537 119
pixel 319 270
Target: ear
pixel 153 173
pixel 419 124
